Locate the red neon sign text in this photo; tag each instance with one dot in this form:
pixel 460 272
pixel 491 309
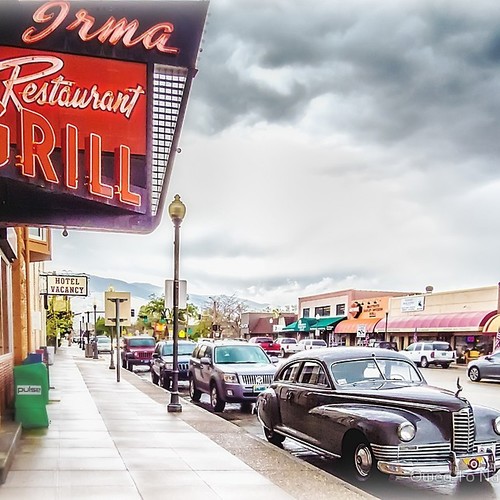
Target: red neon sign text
pixel 36 144
pixel 112 31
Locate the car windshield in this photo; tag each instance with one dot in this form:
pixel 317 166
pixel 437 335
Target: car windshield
pixel 147 342
pixel 321 343
pixel 375 371
pixel 182 350
pixel 103 340
pixel 240 354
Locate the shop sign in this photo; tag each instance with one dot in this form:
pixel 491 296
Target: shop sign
pixel 79 98
pixel 411 304
pixel 355 310
pixel 66 285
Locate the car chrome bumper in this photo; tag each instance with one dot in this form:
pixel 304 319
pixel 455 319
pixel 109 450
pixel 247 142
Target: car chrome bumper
pixel 454 466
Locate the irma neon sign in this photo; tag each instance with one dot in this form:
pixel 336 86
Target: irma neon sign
pixel 76 108
pixel 112 31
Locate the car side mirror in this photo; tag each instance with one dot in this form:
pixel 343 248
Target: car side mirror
pixel 275 359
pixel 488 358
pixel 205 361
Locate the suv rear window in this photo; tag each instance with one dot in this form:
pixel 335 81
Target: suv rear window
pixel 441 346
pixel 141 342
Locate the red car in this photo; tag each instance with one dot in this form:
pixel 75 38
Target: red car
pixel 268 344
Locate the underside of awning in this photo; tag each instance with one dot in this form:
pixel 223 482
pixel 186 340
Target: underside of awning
pixel 449 322
pixel 352 325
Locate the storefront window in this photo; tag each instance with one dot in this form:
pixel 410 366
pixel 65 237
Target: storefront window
pixel 322 311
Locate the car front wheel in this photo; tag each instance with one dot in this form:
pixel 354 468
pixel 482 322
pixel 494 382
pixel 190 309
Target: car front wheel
pixel 359 460
pixel 194 393
pixel 216 402
pixel 424 363
pixel 273 437
pixel 474 374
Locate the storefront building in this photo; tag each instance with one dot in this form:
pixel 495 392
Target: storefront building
pixel 346 317
pixel 465 318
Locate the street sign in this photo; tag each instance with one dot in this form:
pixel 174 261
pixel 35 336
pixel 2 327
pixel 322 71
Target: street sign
pixel 110 308
pixel 169 294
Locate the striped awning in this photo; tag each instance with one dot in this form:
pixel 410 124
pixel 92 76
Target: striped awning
pixel 354 325
pixel 448 322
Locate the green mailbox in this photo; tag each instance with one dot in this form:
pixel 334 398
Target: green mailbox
pixel 31 395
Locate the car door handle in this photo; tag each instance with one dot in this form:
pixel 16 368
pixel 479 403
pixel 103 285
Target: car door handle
pixel 289 396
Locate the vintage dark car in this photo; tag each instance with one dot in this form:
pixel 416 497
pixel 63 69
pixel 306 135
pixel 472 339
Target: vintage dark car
pixel 373 409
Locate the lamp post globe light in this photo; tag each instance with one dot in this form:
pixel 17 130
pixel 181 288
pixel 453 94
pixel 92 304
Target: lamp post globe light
pixel 177 211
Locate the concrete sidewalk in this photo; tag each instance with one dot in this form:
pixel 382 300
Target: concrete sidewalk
pixel 116 440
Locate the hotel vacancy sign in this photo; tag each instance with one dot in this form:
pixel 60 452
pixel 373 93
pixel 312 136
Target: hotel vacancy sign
pixel 92 99
pixel 71 285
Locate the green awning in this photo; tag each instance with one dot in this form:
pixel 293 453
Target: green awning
pixel 323 323
pixel 302 325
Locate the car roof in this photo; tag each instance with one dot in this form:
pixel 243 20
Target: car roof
pixel 334 354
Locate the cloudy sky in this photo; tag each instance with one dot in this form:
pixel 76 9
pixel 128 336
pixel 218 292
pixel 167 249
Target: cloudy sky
pixel 330 145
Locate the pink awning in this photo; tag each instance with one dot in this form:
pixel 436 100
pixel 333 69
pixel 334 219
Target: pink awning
pixel 451 322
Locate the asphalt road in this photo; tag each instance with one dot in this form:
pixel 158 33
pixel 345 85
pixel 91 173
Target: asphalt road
pixel 485 393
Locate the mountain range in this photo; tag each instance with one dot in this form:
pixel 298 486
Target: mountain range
pixel 140 295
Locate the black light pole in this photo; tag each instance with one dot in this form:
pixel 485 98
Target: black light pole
pixel 386 321
pixel 96 353
pixel 177 211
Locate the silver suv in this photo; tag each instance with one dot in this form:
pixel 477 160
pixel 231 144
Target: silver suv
pixel 230 372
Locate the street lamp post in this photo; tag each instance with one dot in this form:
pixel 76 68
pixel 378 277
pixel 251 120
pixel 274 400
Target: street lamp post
pixel 96 353
pixel 386 321
pixel 177 211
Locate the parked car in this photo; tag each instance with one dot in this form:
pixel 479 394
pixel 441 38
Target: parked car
pixel 431 353
pixel 137 351
pixel 285 344
pixel 103 343
pixel 375 411
pixel 230 372
pixel 162 363
pixel 384 344
pixel 484 367
pixel 306 344
pixel 267 343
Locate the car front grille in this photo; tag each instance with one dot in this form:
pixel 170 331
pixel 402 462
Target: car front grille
pixel 417 453
pixel 256 379
pixel 142 354
pixel 463 431
pixel 183 367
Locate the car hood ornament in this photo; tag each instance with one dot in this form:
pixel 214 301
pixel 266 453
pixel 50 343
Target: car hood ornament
pixel 459 388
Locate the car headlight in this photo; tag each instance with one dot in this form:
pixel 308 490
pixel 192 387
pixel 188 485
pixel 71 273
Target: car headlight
pixel 406 431
pixel 231 378
pixel 496 425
